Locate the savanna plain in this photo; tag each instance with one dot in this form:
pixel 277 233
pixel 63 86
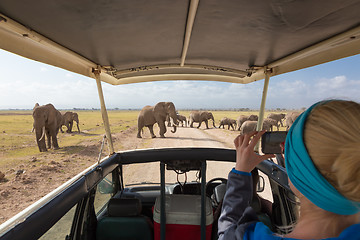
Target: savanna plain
pixel 26 174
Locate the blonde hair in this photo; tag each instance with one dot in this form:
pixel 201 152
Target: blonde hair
pixel 332 139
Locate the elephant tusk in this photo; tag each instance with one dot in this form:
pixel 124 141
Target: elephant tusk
pixel 43 134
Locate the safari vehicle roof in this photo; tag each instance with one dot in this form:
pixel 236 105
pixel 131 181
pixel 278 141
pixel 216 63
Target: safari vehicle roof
pixel 138 41
pixel 236 41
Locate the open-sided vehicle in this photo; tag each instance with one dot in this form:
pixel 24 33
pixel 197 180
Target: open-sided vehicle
pixel 123 42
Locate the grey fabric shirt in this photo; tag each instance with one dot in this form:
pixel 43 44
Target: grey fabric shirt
pixel 238 220
pixel 236 214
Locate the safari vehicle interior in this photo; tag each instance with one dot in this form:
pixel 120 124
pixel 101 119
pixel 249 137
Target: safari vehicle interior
pixel 123 42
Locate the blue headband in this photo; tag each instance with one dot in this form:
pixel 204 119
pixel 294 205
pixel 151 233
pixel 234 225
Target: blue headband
pixel 305 176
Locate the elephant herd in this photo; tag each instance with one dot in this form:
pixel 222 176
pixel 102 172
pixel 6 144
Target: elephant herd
pixel 48 121
pixel 166 112
pixel 246 124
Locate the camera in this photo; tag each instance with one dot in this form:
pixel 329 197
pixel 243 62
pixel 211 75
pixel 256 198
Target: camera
pixel 270 141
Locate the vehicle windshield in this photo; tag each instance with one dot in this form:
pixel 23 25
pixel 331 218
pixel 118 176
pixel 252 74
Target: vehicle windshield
pixel 148 174
pixel 22 163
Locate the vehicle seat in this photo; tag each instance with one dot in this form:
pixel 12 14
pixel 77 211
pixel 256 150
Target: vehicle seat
pixel 219 193
pixel 124 221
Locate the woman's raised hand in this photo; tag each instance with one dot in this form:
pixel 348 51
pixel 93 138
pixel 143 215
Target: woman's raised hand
pixel 246 158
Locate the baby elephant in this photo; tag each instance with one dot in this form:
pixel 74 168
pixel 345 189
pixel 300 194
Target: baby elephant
pixel 68 119
pixel 278 117
pixel 243 118
pixel 290 119
pixel 250 126
pixel 271 122
pixel 182 119
pixel 229 122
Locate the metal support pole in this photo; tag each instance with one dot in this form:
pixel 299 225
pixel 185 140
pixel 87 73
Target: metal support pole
pixel 259 126
pixel 162 202
pixel 190 22
pixel 103 110
pixel 203 202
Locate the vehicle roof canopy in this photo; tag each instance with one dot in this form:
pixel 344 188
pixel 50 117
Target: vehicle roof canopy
pixel 137 41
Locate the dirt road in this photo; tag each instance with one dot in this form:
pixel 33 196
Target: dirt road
pixel 186 137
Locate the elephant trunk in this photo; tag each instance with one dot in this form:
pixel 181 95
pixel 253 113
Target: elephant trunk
pixel 40 138
pixel 173 131
pixel 213 122
pixel 77 124
pixel 176 122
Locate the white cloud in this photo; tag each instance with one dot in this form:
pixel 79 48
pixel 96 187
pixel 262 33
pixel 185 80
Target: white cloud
pixel 303 93
pixel 338 87
pixel 82 93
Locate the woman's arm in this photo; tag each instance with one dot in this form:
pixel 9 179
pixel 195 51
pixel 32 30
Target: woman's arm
pixel 236 215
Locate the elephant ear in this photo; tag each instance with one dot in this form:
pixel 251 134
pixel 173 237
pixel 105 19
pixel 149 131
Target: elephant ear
pixel 169 106
pixel 160 109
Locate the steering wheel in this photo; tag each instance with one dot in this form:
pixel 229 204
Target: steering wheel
pixel 209 183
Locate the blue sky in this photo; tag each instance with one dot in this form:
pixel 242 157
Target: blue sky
pixel 24 82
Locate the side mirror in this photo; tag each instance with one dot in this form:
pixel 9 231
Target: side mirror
pixel 105 186
pixel 260 186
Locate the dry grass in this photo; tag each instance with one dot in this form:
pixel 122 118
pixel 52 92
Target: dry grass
pixel 17 141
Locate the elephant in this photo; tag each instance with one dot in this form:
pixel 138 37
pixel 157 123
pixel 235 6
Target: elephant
pixel 36 105
pixel 242 118
pixel 271 122
pixel 47 122
pixel 278 117
pixel 68 119
pixel 290 119
pixel 253 117
pixel 150 115
pixel 229 122
pixel 182 119
pixel 201 116
pixel 60 118
pixel 250 126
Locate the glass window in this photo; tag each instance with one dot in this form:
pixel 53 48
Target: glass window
pixel 104 191
pixel 62 228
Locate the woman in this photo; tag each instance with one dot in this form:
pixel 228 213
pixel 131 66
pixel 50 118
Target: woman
pixel 322 157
